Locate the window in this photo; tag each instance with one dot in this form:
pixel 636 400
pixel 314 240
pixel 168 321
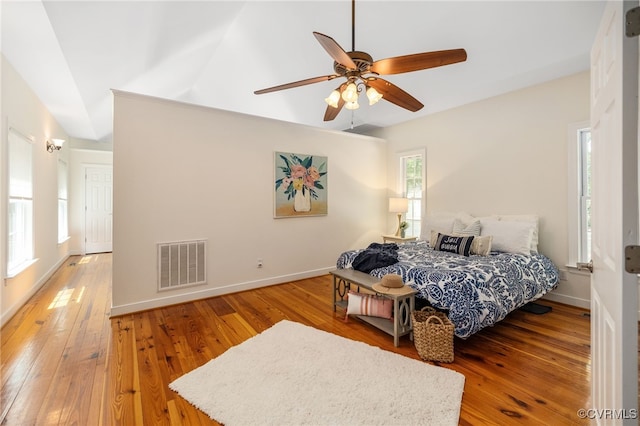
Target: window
pixel 584 136
pixel 63 223
pixel 20 207
pixel 412 177
pixel 579 193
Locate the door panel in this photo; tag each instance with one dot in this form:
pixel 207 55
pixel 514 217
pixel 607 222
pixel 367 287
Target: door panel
pixel 99 209
pixel 614 292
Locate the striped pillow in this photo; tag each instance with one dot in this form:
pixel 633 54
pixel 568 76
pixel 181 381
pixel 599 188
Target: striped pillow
pixel 480 245
pixel 453 244
pixel 367 304
pixel 459 228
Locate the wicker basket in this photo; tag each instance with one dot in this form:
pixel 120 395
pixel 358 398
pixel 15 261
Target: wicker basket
pixel 433 335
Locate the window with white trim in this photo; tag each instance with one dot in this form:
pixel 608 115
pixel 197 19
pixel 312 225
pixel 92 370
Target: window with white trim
pixel 412 180
pixel 20 206
pixel 579 193
pixel 63 220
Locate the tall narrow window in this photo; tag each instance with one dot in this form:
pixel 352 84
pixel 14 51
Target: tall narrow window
pixel 63 222
pixel 20 206
pixel 584 138
pixel 579 193
pixel 412 176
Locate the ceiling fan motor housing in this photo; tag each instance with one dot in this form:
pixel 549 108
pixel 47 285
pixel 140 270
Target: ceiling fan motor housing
pixel 362 60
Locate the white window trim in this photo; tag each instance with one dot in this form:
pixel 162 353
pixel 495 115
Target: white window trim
pixel 573 190
pixel 63 238
pixel 400 182
pixel 23 266
pixel 20 268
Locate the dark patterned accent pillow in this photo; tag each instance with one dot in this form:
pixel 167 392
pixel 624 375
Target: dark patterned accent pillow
pixel 453 244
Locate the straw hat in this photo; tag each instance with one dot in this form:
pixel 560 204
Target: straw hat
pixel 391 284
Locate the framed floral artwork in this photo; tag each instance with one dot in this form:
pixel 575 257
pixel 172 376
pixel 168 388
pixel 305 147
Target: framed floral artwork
pixel 300 185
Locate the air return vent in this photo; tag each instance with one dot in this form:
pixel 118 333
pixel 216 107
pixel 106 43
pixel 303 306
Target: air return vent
pixel 181 264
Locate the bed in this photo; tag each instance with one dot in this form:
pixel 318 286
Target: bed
pixel 476 290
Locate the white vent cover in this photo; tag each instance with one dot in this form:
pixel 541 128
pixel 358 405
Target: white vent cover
pixel 181 264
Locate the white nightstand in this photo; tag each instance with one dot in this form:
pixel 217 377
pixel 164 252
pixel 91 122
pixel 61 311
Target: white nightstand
pixel 394 239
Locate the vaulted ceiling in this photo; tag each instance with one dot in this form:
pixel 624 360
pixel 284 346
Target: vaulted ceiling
pixel 217 53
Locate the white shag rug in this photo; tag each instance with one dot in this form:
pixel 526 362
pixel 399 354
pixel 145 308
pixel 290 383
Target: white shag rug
pixel 292 374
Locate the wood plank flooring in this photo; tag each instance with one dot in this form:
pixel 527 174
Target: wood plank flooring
pixel 64 361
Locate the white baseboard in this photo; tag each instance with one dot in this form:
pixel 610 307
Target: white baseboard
pixel 212 292
pixel 9 313
pixel 568 300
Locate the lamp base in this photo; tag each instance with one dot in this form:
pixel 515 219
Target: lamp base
pixel 398 231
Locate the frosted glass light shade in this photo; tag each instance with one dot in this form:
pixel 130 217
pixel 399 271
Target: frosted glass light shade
pixel 350 93
pixel 373 95
pixel 333 99
pixel 352 105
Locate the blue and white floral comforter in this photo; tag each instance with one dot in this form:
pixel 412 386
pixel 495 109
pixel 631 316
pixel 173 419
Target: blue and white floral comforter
pixel 477 291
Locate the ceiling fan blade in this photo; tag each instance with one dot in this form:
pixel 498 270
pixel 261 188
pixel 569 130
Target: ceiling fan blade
pixel 335 51
pixel 296 84
pixel 418 61
pixel 392 93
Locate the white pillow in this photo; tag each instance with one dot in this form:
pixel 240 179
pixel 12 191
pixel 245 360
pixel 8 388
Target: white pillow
pixel 442 222
pixel 509 236
pixel 528 218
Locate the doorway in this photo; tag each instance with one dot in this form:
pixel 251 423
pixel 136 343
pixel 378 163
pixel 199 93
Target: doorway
pixel 98 209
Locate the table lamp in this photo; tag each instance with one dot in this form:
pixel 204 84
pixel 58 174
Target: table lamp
pixel 398 205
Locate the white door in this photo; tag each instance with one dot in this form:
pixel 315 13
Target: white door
pixel 98 209
pixel 614 292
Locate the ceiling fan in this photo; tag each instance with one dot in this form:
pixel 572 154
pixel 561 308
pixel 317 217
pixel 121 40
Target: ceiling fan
pixel 361 71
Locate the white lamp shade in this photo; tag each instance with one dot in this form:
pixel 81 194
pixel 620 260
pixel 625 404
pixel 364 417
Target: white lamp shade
pixel 398 205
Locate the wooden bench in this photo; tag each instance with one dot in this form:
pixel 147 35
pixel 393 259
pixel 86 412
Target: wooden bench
pixel 403 305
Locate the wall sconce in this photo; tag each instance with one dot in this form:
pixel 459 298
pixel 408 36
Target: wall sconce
pixel 398 205
pixel 55 146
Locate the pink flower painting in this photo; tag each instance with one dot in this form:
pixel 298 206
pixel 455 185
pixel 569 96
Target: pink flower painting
pixel 300 182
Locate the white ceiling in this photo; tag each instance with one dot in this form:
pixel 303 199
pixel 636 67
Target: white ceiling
pixel 217 53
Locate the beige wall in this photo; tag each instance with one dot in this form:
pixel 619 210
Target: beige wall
pixel 185 172
pixel 22 110
pixel 505 155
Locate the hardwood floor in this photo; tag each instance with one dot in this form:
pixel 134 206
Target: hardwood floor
pixel 65 362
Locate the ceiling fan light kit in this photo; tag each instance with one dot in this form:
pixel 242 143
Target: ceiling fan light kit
pixel 352 105
pixel 361 71
pixel 333 98
pixel 373 95
pixel 350 93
